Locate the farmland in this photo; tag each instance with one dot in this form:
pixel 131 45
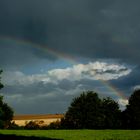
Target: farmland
pixel 77 134
pixel 21 120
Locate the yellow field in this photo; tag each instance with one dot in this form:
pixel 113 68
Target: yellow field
pixel 22 120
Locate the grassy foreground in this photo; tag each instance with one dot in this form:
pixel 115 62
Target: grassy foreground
pixel 78 134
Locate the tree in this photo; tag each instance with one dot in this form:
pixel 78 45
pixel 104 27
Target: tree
pixel 84 112
pixel 6 113
pixel 111 113
pixel 32 125
pixel 53 125
pixel 131 116
pixel 1 85
pixel 88 111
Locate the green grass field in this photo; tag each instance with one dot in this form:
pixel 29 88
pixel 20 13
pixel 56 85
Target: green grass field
pixel 79 134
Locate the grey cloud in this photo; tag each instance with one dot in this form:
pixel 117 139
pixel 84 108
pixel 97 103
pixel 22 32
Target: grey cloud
pixel 102 36
pixel 40 106
pixel 14 56
pixel 30 90
pixel 127 84
pixel 36 98
pixel 49 97
pixel 88 29
pixel 93 29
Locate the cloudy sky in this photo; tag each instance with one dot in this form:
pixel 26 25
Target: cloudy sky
pixel 52 50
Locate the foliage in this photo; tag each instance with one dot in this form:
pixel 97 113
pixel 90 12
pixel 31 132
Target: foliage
pixel 32 125
pixel 111 114
pixel 54 125
pixel 6 113
pixel 1 85
pixel 131 116
pixel 90 112
pixel 14 126
pixel 84 112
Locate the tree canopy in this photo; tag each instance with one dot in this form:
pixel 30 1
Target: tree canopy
pixel 6 113
pixel 1 85
pixel 91 112
pixel 131 116
pixel 111 114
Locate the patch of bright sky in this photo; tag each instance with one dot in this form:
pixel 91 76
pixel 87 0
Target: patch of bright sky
pixel 45 65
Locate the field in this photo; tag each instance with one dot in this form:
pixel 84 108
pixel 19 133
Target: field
pixel 73 134
pixel 21 120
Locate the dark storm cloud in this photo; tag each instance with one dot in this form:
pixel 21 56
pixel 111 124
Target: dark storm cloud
pixel 97 30
pixel 14 56
pixel 93 29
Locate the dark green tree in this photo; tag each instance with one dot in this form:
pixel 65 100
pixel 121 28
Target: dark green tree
pixel 1 85
pixel 131 116
pixel 32 125
pixel 84 112
pixel 88 111
pixel 6 113
pixel 111 114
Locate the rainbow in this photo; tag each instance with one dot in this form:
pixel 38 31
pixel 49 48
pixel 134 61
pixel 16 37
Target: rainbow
pixel 43 48
pixel 114 89
pixel 62 56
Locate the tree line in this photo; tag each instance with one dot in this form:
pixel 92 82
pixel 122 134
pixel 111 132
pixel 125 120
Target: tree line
pixel 87 111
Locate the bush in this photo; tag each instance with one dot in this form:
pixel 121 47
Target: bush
pixel 14 126
pixel 32 125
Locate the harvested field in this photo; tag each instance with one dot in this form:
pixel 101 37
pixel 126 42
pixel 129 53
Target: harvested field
pixel 21 120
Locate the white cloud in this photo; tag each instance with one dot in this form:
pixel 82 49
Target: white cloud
pixel 92 71
pixel 123 103
pixel 19 78
pixel 137 87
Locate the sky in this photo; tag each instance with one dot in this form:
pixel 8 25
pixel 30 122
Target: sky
pixel 53 50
